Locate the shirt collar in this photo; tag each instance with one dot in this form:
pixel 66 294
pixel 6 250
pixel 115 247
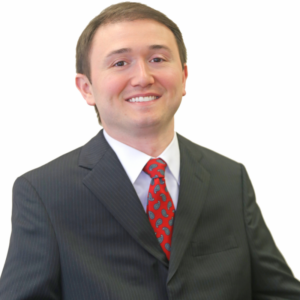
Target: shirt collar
pixel 133 160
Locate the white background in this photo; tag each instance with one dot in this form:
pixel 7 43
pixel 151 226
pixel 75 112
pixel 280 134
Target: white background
pixel 242 98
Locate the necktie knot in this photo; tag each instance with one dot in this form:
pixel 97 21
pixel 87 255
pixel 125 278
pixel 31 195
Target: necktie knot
pixel 155 168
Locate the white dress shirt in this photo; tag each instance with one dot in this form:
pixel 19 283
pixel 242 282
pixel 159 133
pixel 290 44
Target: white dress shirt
pixel 133 162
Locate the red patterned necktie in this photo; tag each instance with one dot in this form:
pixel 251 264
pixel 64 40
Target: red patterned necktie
pixel 160 207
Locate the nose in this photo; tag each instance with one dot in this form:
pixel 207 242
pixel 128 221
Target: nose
pixel 141 75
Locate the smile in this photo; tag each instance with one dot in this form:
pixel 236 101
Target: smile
pixel 143 99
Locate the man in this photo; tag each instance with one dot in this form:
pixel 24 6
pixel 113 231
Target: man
pixel 139 212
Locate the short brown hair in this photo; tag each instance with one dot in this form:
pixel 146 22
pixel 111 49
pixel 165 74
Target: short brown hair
pixel 124 11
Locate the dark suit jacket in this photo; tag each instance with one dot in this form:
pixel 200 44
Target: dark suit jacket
pixel 79 232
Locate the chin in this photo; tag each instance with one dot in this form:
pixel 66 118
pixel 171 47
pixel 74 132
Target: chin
pixel 146 122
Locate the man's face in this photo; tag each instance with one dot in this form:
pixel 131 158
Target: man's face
pixel 137 77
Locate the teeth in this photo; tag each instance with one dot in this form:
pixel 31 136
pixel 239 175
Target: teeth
pixel 142 99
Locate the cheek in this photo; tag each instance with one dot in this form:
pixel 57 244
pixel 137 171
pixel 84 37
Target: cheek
pixel 172 81
pixel 110 87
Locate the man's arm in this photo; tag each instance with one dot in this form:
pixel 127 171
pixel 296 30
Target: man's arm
pixel 31 270
pixel 272 279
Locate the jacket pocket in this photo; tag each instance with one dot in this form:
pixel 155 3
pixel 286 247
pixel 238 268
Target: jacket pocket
pixel 214 245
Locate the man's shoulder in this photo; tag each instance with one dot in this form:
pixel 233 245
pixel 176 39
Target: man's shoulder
pixel 69 164
pixel 61 165
pixel 208 158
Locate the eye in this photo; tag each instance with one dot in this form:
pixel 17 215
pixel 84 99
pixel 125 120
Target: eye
pixel 157 59
pixel 120 63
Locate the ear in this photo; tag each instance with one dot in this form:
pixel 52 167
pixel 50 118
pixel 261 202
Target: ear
pixel 85 88
pixel 184 78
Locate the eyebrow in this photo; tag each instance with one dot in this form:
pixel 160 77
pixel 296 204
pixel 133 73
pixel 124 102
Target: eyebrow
pixel 119 51
pixel 126 50
pixel 154 47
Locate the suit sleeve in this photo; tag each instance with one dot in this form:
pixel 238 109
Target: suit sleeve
pixel 272 278
pixel 31 270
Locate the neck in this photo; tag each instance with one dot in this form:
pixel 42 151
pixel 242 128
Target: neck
pixel 153 143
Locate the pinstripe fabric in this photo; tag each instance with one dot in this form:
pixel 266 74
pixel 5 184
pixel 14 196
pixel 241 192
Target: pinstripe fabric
pixel 79 231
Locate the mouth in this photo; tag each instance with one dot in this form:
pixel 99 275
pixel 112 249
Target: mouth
pixel 142 99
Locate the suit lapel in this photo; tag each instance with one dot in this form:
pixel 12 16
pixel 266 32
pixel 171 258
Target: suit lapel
pixel 194 181
pixel 108 181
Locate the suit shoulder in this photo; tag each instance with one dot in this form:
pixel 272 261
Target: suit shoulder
pixel 209 157
pixel 69 167
pixel 62 165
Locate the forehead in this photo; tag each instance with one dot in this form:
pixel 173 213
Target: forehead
pixel 132 34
